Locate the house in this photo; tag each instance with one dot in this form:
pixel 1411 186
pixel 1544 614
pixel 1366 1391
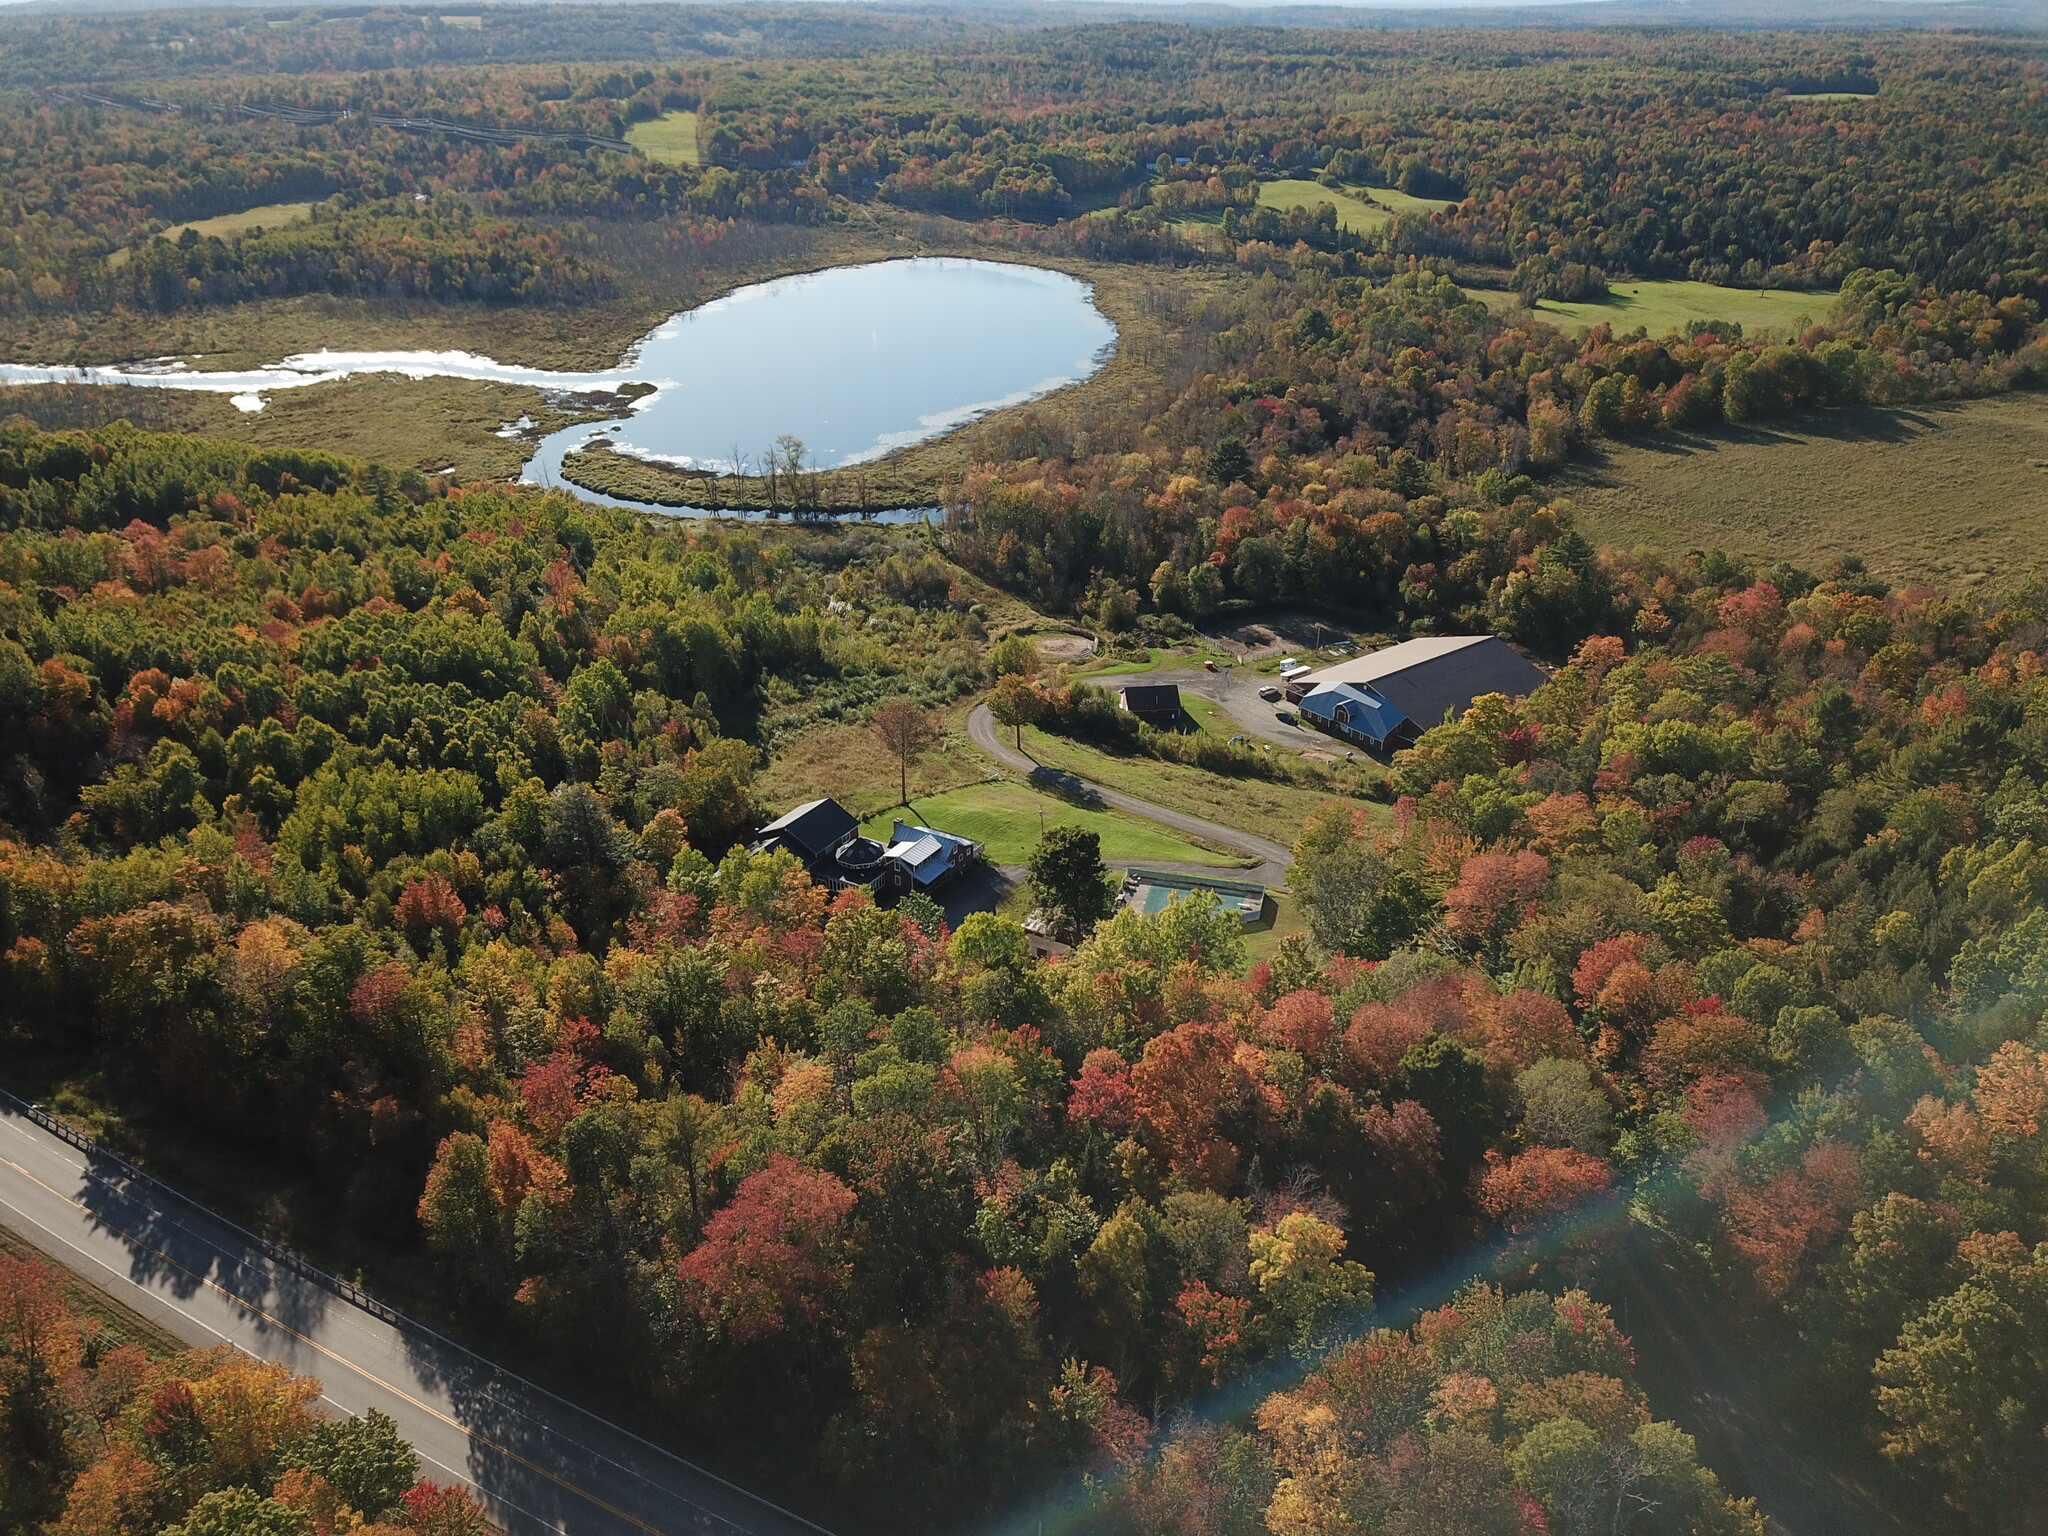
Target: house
pixel 1389 698
pixel 1146 891
pixel 1153 703
pixel 815 832
pixel 921 858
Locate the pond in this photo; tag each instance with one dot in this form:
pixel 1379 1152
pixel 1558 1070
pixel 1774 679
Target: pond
pixel 852 361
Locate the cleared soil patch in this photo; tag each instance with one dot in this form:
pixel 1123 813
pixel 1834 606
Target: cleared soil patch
pixel 1951 494
pixel 1004 818
pixel 1056 650
pixel 1663 307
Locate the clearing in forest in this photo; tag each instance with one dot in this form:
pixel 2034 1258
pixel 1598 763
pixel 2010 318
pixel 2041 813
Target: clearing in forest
pixel 1661 307
pixel 670 138
pixel 1947 493
pixel 1360 211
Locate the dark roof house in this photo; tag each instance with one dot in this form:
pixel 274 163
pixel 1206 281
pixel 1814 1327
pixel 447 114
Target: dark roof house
pixel 813 831
pixel 1153 703
pixel 1389 698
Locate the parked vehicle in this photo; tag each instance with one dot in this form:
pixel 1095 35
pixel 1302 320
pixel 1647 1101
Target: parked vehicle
pixel 1284 716
pixel 1208 666
pixel 1269 693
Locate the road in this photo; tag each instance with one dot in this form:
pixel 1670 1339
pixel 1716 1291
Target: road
pixel 1274 860
pixel 540 1464
pixel 1237 690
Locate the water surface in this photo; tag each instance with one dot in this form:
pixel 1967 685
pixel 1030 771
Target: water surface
pixel 853 362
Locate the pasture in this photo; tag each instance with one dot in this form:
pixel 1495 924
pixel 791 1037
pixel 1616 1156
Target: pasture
pixel 1663 306
pixel 1949 494
pixel 670 138
pixel 1361 211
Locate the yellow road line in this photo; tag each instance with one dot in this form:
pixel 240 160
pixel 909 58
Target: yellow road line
pixel 398 1392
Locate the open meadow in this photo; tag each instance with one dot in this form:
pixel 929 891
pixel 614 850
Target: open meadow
pixel 1954 494
pixel 670 138
pixel 1661 306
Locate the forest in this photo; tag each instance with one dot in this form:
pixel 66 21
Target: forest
pixel 109 1431
pixel 395 828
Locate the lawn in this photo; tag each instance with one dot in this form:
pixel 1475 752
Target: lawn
pixel 671 138
pixel 1262 941
pixel 1661 307
pixel 1952 494
pixel 1004 817
pixel 1275 811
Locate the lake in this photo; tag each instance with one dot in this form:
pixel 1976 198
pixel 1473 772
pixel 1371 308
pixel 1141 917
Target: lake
pixel 853 361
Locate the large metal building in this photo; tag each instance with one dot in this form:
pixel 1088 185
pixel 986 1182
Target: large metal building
pixel 1389 698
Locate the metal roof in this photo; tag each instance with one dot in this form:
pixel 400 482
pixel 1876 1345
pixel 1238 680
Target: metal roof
pixel 815 827
pixel 1364 710
pixel 1438 675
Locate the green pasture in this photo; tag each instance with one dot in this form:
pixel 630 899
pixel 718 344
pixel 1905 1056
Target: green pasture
pixel 670 138
pixel 1669 305
pixel 1361 211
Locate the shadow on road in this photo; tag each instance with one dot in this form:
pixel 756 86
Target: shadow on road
pixel 176 1248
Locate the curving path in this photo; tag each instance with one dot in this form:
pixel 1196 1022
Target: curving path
pixel 1274 860
pixel 542 1466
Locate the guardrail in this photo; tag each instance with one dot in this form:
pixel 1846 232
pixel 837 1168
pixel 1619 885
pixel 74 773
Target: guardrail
pixel 356 1296
pixel 348 1290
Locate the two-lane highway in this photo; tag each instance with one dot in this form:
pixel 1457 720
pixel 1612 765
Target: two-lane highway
pixel 540 1464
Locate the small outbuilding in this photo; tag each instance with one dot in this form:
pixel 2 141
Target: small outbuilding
pixel 1153 703
pixel 1388 699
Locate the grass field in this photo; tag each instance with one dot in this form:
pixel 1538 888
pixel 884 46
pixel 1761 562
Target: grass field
pixel 1955 494
pixel 1004 818
pixel 846 761
pixel 1251 805
pixel 1360 212
pixel 671 138
pixel 269 216
pixel 1661 307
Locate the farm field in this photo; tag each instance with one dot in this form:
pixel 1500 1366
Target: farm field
pixel 1252 805
pixel 1956 494
pixel 671 138
pixel 1004 818
pixel 1660 307
pixel 269 216
pixel 1360 211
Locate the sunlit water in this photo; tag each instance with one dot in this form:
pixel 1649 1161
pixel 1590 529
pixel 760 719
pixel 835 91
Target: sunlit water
pixel 854 362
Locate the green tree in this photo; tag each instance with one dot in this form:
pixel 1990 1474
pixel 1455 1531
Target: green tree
pixel 1358 900
pixel 1068 879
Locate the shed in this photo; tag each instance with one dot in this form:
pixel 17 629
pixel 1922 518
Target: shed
pixel 1389 698
pixel 1153 703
